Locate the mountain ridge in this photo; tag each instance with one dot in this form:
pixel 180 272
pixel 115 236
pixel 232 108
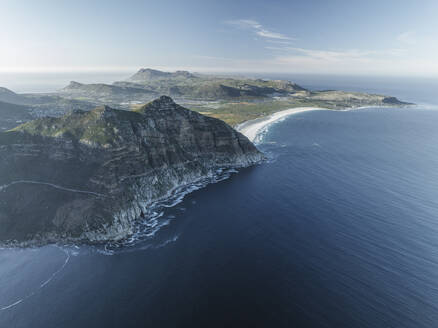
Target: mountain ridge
pixel 151 74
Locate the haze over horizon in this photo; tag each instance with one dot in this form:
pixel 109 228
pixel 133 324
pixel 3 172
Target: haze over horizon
pixel 232 36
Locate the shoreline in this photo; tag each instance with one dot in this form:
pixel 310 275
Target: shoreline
pixel 253 128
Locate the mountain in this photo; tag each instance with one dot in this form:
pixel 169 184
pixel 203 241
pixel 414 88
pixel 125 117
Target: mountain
pixel 9 96
pixel 90 176
pixel 12 115
pixel 205 87
pixel 147 83
pixel 147 74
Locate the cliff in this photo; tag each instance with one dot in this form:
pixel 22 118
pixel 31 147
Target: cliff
pixel 90 176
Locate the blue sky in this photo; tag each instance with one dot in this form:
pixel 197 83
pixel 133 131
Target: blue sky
pixel 392 37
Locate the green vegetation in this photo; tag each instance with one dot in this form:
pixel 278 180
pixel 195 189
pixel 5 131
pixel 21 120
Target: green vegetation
pixel 234 113
pixel 238 112
pixel 231 99
pixel 205 87
pixel 235 100
pixel 100 126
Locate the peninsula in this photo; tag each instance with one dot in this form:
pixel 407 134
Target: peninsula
pixel 90 176
pixel 233 99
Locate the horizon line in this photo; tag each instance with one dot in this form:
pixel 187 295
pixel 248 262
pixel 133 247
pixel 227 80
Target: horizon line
pixel 202 70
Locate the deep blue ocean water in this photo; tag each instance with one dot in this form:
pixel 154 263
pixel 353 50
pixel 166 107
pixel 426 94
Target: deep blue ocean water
pixel 338 229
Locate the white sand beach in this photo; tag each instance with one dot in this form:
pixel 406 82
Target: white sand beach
pixel 251 129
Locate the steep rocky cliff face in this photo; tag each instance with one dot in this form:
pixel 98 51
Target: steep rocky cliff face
pixel 90 176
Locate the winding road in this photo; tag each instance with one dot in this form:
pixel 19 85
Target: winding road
pixel 51 185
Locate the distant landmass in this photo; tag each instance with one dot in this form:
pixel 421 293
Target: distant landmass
pixel 105 93
pixel 231 99
pixel 189 85
pixel 147 74
pixel 89 176
pixel 40 104
pixel 9 96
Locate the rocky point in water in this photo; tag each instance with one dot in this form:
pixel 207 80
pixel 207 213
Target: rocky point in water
pixel 90 176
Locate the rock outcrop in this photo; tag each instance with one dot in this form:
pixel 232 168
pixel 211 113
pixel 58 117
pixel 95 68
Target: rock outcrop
pixel 90 176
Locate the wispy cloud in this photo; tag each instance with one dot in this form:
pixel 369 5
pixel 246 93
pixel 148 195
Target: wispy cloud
pixel 281 42
pixel 282 54
pixel 337 55
pixel 258 29
pixel 332 55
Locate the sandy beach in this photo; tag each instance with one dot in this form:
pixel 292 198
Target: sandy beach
pixel 252 128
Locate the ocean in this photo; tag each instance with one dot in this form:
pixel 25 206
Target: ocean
pixel 338 228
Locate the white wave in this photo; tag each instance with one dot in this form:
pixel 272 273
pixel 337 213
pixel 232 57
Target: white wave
pixel 155 219
pixel 168 241
pixel 56 272
pixel 254 130
pixel 11 305
pixel 43 284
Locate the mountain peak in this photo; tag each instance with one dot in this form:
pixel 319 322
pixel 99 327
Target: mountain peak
pixel 149 70
pixel 73 85
pixel 6 91
pixel 165 100
pixel 10 96
pixel 147 74
pixel 161 104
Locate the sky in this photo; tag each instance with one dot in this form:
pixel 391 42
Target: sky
pixel 384 37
